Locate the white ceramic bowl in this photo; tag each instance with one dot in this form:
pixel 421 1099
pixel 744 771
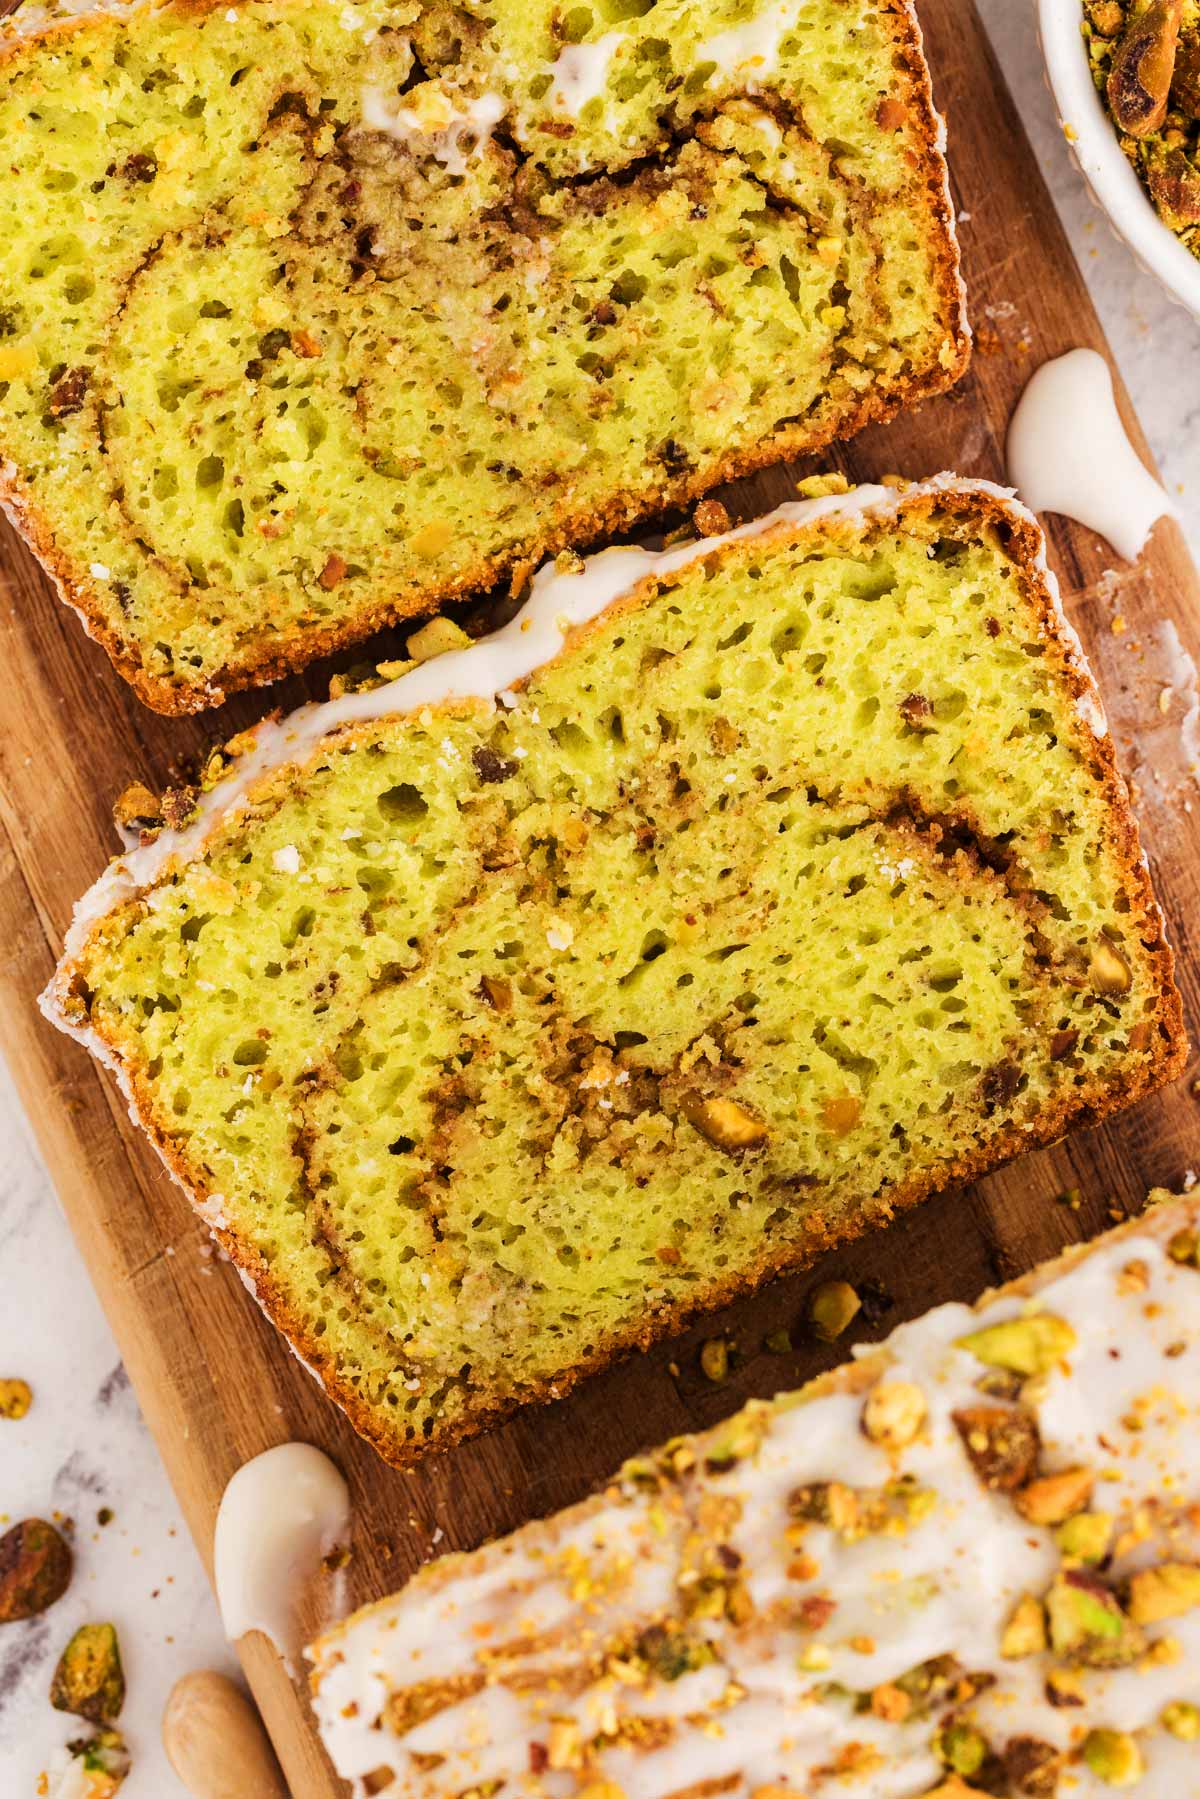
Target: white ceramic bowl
pixel 1093 138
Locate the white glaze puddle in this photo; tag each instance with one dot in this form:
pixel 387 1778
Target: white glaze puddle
pixel 581 71
pixel 1068 452
pixel 279 1517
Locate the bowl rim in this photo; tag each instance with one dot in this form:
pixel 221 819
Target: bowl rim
pixel 1093 138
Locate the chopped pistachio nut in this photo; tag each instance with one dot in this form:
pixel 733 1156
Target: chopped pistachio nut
pixel 894 1413
pixel 1031 1345
pixel 16 1397
pixel 724 1123
pixel 1064 1687
pixel 1087 1624
pixel 778 1343
pixel 1182 1719
pixel 1002 1444
pixel 1025 1632
pixel 714 1358
pixel 832 1308
pixel 826 1502
pixel 816 487
pixel 102 1764
pixel 1184 1247
pixel 435 639
pixel 1113 1756
pixel 89 1680
pixel 1085 1537
pixel 962 1748
pixel 1056 1497
pixel 1168 1591
pixel 670 1652
pixel 1109 972
pixel 1032 1767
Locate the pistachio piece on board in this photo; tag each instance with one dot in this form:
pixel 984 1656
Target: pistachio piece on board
pixel 832 1308
pixel 1139 82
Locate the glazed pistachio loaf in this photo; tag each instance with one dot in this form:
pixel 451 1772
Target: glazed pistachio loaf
pixel 787 880
pixel 967 1563
pixel 316 312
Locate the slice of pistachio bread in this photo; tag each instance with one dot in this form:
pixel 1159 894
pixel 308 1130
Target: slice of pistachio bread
pixel 314 313
pixel 787 880
pixel 967 1563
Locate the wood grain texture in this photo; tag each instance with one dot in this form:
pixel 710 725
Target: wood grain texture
pixel 215 1382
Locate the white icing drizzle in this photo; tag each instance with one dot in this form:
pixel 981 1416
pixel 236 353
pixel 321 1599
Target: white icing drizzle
pixel 559 603
pixel 750 50
pixel 435 123
pixel 580 73
pixel 280 1516
pixel 1126 1403
pixel 1068 452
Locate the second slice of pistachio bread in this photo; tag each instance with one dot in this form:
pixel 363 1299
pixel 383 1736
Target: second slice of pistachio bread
pixel 316 312
pixel 787 878
pixel 967 1563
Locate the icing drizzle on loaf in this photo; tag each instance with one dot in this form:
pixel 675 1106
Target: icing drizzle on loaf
pixel 560 602
pixel 823 1591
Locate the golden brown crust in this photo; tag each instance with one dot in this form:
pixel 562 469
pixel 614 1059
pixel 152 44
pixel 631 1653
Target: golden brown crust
pixel 623 511
pixel 1087 1105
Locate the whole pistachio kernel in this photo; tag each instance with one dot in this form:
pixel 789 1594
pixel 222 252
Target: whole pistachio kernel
pixel 1108 970
pixel 1139 82
pixel 714 1359
pixel 1113 1756
pixel 1182 1719
pixel 1031 1345
pixel 832 1308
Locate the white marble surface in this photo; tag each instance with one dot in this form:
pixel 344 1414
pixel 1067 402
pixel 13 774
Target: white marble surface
pixel 84 1445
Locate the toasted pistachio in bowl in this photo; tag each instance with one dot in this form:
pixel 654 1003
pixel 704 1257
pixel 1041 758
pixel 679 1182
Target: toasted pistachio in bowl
pixel 1126 79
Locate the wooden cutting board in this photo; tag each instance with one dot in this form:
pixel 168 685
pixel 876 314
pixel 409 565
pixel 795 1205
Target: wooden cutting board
pixel 216 1384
